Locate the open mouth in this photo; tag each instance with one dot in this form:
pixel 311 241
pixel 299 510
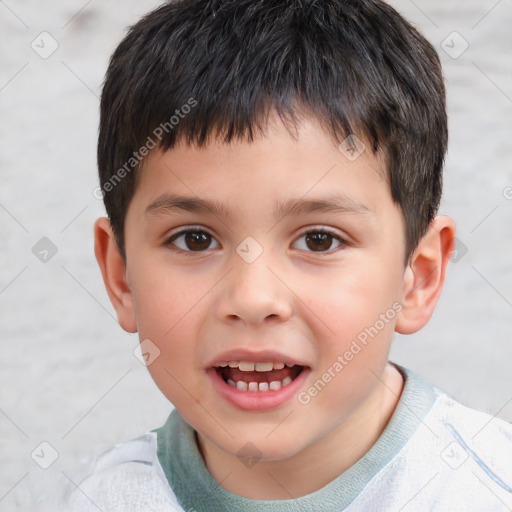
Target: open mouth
pixel 258 376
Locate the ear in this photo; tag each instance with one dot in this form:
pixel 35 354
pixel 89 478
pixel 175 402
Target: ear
pixel 424 275
pixel 113 270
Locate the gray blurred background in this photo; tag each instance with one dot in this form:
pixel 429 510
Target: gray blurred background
pixel 68 374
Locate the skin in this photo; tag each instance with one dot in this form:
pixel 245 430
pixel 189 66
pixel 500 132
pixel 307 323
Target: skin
pixel 300 301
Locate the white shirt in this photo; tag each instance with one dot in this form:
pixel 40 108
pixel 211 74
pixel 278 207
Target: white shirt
pixel 434 455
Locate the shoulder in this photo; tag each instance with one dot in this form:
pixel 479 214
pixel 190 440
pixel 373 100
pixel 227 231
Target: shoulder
pixel 473 431
pixel 126 478
pixel 459 458
pixel 476 437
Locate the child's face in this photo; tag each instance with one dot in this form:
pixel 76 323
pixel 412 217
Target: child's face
pixel 205 299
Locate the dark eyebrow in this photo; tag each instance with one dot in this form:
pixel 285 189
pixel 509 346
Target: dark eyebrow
pixel 337 203
pixel 333 203
pixel 169 203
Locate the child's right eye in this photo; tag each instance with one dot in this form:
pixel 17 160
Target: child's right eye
pixel 191 240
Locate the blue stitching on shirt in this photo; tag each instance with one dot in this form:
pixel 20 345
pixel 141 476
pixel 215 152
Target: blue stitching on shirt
pixel 477 459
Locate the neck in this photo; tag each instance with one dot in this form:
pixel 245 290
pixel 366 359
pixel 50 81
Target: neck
pixel 318 464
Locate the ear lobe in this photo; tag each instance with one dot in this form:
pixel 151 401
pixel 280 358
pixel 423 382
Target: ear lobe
pixel 424 276
pixel 113 270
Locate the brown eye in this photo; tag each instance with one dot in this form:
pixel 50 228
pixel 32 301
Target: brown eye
pixel 319 241
pixel 192 240
pixel 197 241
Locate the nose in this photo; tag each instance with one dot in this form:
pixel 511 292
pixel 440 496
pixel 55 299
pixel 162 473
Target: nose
pixel 251 293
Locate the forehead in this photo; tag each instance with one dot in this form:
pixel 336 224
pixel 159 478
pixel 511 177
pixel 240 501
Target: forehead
pixel 290 173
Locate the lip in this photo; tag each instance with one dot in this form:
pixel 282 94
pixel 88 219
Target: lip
pixel 257 400
pixel 254 356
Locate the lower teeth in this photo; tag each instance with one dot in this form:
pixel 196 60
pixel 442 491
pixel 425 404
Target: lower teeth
pixel 262 386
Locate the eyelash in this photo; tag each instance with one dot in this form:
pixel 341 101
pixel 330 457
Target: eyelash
pixel 194 229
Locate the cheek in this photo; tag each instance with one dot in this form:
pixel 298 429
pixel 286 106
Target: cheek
pixel 164 296
pixel 177 370
pixel 354 300
pixel 168 308
pixel 357 314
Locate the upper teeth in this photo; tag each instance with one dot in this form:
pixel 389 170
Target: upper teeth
pixel 250 366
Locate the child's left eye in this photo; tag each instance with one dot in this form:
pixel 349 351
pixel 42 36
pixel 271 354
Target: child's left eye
pixel 319 240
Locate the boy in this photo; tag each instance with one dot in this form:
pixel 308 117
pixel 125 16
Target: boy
pixel 272 173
